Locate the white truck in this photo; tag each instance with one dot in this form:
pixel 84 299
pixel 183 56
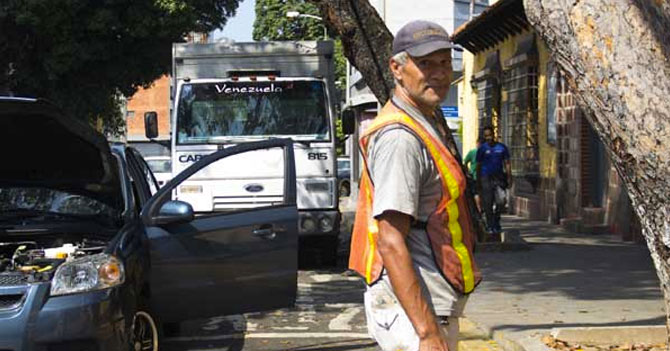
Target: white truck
pixel 224 94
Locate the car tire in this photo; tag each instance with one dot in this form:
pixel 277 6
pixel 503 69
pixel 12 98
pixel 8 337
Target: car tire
pixel 344 188
pixel 144 332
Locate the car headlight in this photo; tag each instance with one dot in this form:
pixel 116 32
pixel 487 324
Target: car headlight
pixel 88 273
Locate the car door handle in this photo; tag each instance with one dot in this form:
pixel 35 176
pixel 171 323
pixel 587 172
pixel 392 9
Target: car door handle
pixel 266 233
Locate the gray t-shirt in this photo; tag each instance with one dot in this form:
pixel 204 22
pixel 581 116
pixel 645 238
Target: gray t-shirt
pixel 406 180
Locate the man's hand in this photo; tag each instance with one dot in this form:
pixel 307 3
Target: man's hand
pixel 435 342
pixel 393 228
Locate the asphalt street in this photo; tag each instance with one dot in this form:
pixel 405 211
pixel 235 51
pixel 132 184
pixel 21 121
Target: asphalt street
pixel 328 316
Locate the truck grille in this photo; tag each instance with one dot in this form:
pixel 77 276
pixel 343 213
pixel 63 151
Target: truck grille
pixel 8 302
pixel 236 202
pixel 12 279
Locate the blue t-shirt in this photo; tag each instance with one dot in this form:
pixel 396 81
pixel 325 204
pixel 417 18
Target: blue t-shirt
pixel 491 158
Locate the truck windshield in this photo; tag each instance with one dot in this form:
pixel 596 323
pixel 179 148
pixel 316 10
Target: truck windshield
pixel 223 111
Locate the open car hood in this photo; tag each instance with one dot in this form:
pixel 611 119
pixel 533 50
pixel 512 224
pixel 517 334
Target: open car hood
pixel 44 148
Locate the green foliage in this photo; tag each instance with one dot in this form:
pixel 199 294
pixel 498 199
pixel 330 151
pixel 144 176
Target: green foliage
pixel 272 24
pixel 84 54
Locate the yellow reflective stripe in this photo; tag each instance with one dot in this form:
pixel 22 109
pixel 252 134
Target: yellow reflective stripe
pixel 372 230
pixel 452 207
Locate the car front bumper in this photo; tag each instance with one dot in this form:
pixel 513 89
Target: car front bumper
pixel 84 321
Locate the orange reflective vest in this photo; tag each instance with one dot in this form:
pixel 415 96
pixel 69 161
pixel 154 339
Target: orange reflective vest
pixel 449 227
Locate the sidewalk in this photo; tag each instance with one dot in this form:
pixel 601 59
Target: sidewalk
pixel 565 280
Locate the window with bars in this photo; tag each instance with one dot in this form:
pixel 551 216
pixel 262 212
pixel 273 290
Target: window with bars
pixel 487 85
pixel 521 124
pixel 485 102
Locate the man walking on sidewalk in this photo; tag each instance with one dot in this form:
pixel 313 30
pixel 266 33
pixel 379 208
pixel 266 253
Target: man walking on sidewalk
pixel 492 179
pixel 412 239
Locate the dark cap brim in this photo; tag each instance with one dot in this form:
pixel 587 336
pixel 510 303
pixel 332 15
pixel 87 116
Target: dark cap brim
pixel 429 48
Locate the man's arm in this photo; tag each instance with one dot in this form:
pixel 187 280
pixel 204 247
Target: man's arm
pixel 508 167
pixel 508 171
pixel 393 228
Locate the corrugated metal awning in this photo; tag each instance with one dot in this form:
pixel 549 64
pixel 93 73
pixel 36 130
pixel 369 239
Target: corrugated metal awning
pixel 500 21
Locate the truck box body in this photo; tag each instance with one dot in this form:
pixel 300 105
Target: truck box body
pixel 225 94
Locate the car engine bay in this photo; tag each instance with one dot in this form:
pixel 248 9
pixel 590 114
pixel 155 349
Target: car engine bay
pixel 36 261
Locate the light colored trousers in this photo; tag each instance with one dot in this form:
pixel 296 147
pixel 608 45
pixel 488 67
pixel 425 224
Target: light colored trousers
pixel 389 325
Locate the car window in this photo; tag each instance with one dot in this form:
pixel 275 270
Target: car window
pixel 146 172
pixel 160 166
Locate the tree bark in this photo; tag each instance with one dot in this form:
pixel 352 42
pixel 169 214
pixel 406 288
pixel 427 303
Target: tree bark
pixel 365 38
pixel 614 56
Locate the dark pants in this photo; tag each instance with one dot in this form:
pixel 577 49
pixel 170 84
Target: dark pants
pixel 492 204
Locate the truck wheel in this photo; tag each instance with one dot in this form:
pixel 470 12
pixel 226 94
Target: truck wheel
pixel 143 333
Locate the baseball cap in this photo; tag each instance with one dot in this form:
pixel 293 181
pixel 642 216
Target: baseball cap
pixel 420 38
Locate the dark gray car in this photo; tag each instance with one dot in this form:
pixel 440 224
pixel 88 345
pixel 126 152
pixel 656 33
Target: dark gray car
pixel 93 256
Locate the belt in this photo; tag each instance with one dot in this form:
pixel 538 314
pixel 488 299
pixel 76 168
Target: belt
pixel 419 225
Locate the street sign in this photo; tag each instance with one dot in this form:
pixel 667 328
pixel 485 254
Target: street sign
pixel 450 111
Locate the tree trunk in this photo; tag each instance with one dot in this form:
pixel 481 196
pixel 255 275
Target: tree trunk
pixel 365 38
pixel 614 56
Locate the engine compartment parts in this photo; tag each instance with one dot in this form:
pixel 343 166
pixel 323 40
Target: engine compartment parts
pixel 33 262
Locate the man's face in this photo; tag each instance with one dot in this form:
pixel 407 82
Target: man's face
pixel 426 79
pixel 488 136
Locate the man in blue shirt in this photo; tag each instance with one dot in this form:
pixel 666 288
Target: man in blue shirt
pixel 494 175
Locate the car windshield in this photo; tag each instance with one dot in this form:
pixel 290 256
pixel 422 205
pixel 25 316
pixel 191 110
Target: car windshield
pixel 229 111
pixel 41 200
pixel 160 166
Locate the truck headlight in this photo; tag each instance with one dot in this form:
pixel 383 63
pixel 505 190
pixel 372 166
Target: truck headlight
pixel 326 224
pixel 88 273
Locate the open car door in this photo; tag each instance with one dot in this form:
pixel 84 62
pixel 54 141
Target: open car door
pixel 218 263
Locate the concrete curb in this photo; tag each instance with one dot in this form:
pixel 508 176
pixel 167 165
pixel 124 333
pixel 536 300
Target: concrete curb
pixel 647 334
pixel 507 343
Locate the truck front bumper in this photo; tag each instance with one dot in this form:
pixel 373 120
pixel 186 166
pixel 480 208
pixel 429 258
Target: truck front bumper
pixel 319 222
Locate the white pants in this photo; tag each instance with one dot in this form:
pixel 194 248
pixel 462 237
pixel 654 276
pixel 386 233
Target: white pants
pixel 389 325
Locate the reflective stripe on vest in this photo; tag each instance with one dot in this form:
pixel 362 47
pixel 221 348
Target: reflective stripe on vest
pixel 452 190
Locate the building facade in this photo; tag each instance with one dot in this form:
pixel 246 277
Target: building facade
pixel 561 170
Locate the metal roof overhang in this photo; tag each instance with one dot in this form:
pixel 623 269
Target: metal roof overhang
pixel 495 24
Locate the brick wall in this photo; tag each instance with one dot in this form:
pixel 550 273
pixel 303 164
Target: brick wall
pixel 155 98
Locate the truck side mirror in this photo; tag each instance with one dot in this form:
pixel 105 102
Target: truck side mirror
pixel 151 124
pixel 348 121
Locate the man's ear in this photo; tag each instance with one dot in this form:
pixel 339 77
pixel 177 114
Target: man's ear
pixel 395 70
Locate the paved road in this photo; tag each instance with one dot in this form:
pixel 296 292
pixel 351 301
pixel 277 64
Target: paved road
pixel 328 316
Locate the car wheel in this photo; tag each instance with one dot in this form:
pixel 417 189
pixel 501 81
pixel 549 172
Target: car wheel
pixel 345 188
pixel 144 332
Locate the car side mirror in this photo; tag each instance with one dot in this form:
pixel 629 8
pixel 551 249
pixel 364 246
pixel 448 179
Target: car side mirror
pixel 348 121
pixel 151 124
pixel 174 211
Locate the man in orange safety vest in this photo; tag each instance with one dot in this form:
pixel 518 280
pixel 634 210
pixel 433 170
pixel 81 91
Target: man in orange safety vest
pixel 412 240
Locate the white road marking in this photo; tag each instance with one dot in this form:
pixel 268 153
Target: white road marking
pixel 289 328
pixel 307 312
pixel 271 336
pixel 322 278
pixel 343 305
pixel 341 322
